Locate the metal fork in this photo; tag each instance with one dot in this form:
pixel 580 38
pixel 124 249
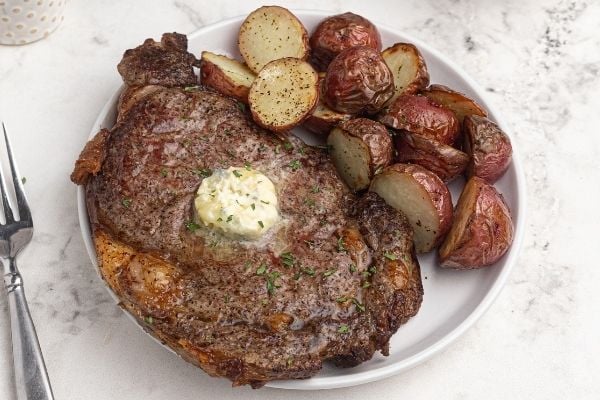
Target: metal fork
pixel 31 378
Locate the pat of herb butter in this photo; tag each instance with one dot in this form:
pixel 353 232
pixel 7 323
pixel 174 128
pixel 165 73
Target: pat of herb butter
pixel 238 201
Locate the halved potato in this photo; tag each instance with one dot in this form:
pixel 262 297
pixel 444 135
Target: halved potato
pixel 459 103
pixel 408 69
pixel 422 197
pixel 226 75
pixel 482 231
pixel 359 148
pixel 284 94
pixel 323 119
pixel 419 114
pixel 443 160
pixel 270 33
pixel 488 146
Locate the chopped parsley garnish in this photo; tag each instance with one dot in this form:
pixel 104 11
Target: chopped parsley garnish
pixel 126 203
pixel 261 224
pixel 294 165
pixel 366 284
pixel 309 271
pixel 290 360
pixel 191 88
pixel 241 106
pixel 253 206
pixel 315 189
pixel 237 173
pixel 329 272
pixel 343 328
pixel 229 218
pixel 219 219
pixel 288 146
pixel 342 299
pixel 23 180
pixel 149 320
pixel 247 166
pixel 191 226
pixel 360 307
pixel 372 269
pixel 204 172
pixel 352 268
pixel 227 298
pixel 309 202
pixel 341 245
pixel 163 172
pixel 247 265
pixel 390 256
pixel 265 202
pixel 287 259
pixel 262 269
pixel 271 282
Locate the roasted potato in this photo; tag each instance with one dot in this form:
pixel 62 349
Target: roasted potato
pixel 323 119
pixel 358 81
pixel 482 231
pixel 488 147
pixel 408 69
pixel 226 75
pixel 284 94
pixel 459 103
pixel 359 148
pixel 422 197
pixel 338 33
pixel 419 114
pixel 443 160
pixel 270 33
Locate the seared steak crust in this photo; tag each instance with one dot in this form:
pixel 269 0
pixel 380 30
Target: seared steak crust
pixel 332 281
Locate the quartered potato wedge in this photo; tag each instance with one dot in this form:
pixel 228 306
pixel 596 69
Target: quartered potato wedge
pixel 226 75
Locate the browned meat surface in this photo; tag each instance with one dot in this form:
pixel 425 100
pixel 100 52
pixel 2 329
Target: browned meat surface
pixel 91 158
pixel 333 281
pixel 165 63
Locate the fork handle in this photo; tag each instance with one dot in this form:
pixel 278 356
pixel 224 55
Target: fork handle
pixel 31 378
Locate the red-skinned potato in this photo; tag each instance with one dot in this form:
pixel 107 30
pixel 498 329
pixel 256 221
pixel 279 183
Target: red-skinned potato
pixel 419 114
pixel 422 197
pixel 338 33
pixel 443 160
pixel 359 148
pixel 323 119
pixel 482 231
pixel 358 81
pixel 458 102
pixel 488 147
pixel 408 68
pixel 226 75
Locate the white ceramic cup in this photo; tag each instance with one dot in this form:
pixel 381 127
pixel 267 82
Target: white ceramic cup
pixel 26 21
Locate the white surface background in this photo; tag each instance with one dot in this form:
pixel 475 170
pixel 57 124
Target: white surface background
pixel 540 62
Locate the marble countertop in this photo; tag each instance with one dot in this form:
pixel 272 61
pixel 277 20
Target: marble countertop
pixel 540 63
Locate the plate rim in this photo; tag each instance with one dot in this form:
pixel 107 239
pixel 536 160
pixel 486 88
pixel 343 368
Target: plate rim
pixel 382 372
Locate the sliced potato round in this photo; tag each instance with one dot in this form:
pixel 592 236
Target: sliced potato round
pixel 270 33
pixel 359 148
pixel 284 94
pixel 488 146
pixel 443 160
pixel 408 68
pixel 459 103
pixel 226 75
pixel 482 231
pixel 422 197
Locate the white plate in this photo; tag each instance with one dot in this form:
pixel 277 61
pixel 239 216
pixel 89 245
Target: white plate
pixel 453 300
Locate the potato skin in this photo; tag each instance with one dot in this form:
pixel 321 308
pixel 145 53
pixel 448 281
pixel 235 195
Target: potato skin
pixel 375 136
pixel 438 192
pixel 455 101
pixel 213 76
pixel 419 114
pixel 443 160
pixel 358 81
pixel 482 231
pixel 488 146
pixel 338 33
